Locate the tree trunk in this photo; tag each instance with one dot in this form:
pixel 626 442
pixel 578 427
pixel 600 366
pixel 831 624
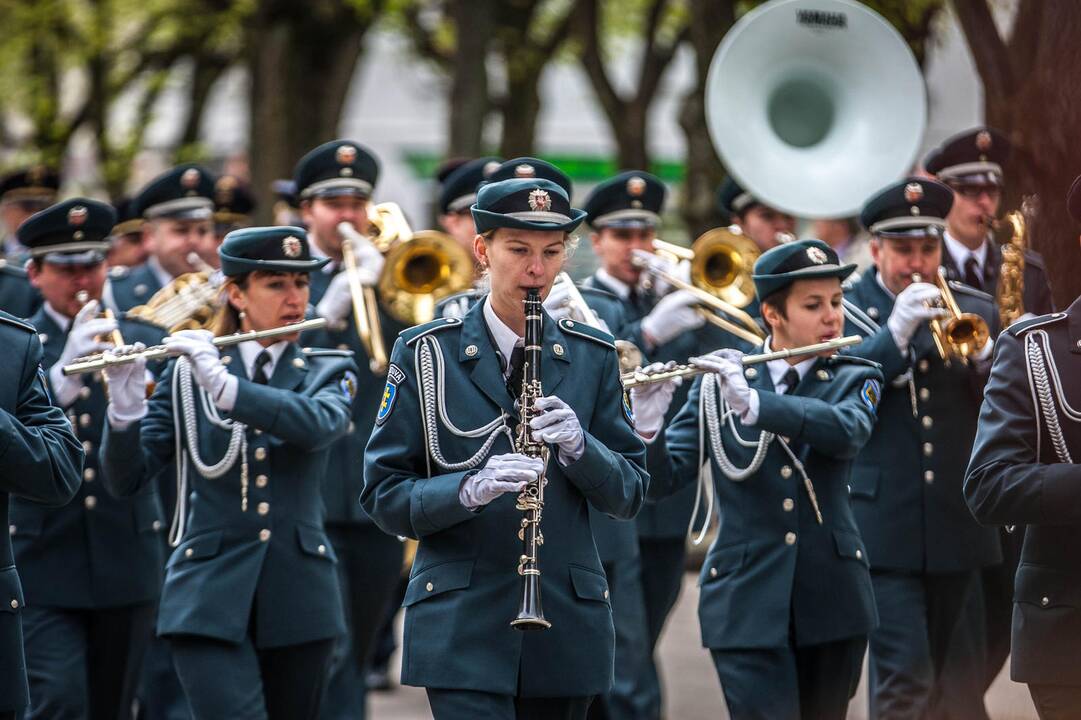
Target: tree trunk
pixel 468 105
pixel 520 110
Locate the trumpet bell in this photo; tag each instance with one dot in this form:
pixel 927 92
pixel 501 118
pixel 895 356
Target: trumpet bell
pixel 722 265
pixel 966 334
pixel 813 105
pixel 417 273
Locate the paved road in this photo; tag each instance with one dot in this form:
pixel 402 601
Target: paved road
pixel 691 688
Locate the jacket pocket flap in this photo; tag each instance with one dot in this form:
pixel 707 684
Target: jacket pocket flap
pixel 1046 587
pixel 438 579
pixel 11 591
pixel 588 584
pixel 315 542
pixel 148 514
pixel 864 482
pixel 197 548
pixel 722 561
pixel 25 519
pixel 849 545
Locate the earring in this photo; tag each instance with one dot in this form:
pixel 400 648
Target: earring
pixel 242 314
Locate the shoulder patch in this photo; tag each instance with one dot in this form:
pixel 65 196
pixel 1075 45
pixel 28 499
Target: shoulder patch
pixel 628 411
pixel 326 352
pixel 969 290
pixel 1025 325
pixel 590 333
pixel 411 335
pixel 12 320
pixel 395 377
pixel 870 393
pixel 348 385
pixel 119 271
pixel 841 358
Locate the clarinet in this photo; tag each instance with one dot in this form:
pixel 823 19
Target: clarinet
pixel 531 499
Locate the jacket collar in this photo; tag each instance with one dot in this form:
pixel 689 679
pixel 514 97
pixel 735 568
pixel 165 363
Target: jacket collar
pixel 290 371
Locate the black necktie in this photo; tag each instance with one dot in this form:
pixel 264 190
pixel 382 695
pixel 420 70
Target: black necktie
pixel 517 371
pixel 258 375
pixel 790 380
pixel 972 273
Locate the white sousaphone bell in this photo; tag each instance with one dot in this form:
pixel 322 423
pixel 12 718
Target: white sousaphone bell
pixel 814 105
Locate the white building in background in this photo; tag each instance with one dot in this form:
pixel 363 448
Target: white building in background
pixel 396 107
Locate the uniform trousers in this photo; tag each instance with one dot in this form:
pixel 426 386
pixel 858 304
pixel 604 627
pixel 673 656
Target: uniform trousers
pixel 628 699
pixel 814 682
pixel 662 569
pixel 1056 702
pixel 237 681
pixel 369 565
pixel 918 614
pixel 476 705
pixel 84 663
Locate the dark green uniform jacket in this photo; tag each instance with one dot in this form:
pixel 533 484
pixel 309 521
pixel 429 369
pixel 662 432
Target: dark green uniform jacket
pixel 774 576
pixel 132 286
pixel 464 587
pixel 40 460
pixel 17 296
pixel 906 484
pixel 97 551
pixel 1022 472
pixel 273 559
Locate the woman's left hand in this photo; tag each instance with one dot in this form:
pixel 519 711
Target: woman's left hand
pixel 559 426
pixel 206 364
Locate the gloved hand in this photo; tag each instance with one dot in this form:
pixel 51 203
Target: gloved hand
pixel 337 301
pixel 650 402
pixel 681 270
pixel 675 314
pixel 82 340
pixel 726 364
pixel 559 426
pixel 127 388
pixel 556 305
pixel 369 259
pixel 206 365
pixel 910 311
pixel 501 474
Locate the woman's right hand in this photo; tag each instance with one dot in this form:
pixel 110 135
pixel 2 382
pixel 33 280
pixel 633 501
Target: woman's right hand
pixel 650 402
pixel 126 384
pixel 501 474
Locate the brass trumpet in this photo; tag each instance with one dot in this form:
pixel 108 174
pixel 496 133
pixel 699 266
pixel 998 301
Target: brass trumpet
pixel 959 335
pixel 639 377
pixel 94 363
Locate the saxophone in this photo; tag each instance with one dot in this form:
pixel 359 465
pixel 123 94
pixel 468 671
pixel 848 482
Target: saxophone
pixel 1011 282
pixel 531 499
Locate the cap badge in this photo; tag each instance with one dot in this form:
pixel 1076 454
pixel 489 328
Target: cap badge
pixel 540 200
pixel 913 192
pixel 636 186
pixel 983 141
pixel 77 215
pixel 190 178
pixel 291 247
pixel 346 155
pixel 817 256
pixel 489 167
pixel 525 170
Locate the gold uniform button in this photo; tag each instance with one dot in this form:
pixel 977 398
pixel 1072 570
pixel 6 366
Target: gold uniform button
pixel 90 502
pixel 928 449
pixel 927 422
pixel 260 453
pixel 750 373
pixel 264 535
pixel 14 604
pixel 789 504
pixel 298 362
pixel 605 594
pixel 322 549
pixel 84 392
pixel 713 572
pixel 84 420
pixel 263 508
pixel 226 359
pixel 471 350
pixel 343 346
pixel 790 538
pixel 87 446
pixel 429 587
pixel 258 431
pixel 89 474
pixel 1045 601
pixel 11 529
pixel 189 552
pixel 923 365
pixel 156 525
pixel 859 554
pixel 786 472
pixel 822 375
pixel 929 476
pixel 352 427
pixel 558 350
pixel 260 481
pixel 925 394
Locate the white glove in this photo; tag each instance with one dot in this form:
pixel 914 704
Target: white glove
pixel 650 402
pixel 501 474
pixel 910 310
pixel 206 365
pixel 82 340
pixel 369 260
pixel 337 301
pixel 557 306
pixel 656 264
pixel 726 364
pixel 675 314
pixel 127 388
pixel 559 426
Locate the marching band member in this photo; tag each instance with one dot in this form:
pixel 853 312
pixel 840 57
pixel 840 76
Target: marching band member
pixel 457 193
pixel 126 245
pixel 91 569
pixel 1022 472
pixel 334 182
pixel 17 296
pixel 176 207
pixel 786 601
pixel 758 221
pixel 41 462
pixel 924 546
pixel 250 605
pixel 23 193
pixel 452 482
pixel 234 205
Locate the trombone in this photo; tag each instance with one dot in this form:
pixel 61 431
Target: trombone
pixel 639 377
pixel 629 355
pixel 365 306
pixel 960 334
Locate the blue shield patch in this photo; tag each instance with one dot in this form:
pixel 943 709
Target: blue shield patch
pixel 870 393
pixel 348 385
pixel 394 377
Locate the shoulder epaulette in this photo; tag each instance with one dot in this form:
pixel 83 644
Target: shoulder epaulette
pixel 119 271
pixel 588 290
pixel 969 290
pixel 411 335
pixel 8 268
pixel 851 280
pixel 587 331
pixel 1021 326
pixel 853 360
pixel 859 318
pixel 12 320
pixel 326 352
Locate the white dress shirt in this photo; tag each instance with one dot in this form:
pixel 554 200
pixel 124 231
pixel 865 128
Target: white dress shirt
pixel 250 351
pixel 505 338
pixel 777 370
pixel 961 254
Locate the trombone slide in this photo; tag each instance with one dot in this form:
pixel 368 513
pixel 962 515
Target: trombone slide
pixel 365 304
